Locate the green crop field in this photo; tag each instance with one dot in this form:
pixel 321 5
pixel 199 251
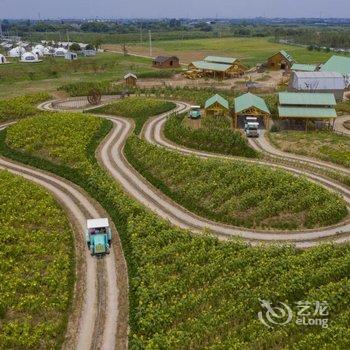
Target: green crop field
pixel 137 108
pixel 211 136
pixel 250 50
pixel 190 292
pixel 322 145
pixel 237 193
pixel 36 266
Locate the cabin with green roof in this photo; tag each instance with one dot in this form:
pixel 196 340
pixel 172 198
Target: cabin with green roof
pixel 216 67
pixel 299 110
pixel 280 60
pixel 216 106
pixel 250 105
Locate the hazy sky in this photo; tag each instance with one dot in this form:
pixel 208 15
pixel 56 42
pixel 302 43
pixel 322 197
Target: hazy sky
pixel 172 8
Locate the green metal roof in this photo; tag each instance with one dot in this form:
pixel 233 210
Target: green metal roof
pixel 249 100
pixel 304 67
pixel 306 99
pixel 305 112
pixel 211 66
pixel 287 56
pixel 337 64
pixel 216 98
pixel 219 59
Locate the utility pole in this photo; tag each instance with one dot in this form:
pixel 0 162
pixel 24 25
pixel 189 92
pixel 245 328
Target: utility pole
pixel 141 39
pixel 0 28
pixel 150 43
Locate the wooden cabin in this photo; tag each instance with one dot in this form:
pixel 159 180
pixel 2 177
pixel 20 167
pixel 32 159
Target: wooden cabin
pixel 280 60
pixel 166 62
pixel 216 106
pixel 250 105
pixel 130 80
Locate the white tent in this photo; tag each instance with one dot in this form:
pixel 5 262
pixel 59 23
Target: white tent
pixel 72 56
pixel 38 52
pixel 60 52
pixel 29 57
pixel 48 51
pixel 17 51
pixel 2 59
pixel 39 47
pixel 330 82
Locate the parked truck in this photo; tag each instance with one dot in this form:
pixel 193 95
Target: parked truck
pixel 98 236
pixel 251 127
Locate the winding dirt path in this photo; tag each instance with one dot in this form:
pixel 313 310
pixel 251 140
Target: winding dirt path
pixel 111 156
pixel 97 320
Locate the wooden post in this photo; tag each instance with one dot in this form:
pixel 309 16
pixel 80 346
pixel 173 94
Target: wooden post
pixel 306 124
pixel 236 116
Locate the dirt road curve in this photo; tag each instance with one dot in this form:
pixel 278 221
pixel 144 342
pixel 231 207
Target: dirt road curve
pixel 339 124
pixel 111 156
pixel 93 321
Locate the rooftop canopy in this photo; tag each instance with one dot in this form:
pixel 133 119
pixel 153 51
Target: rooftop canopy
pixel 305 112
pixel 219 59
pixel 130 75
pixel 304 67
pixel 306 99
pixel 217 99
pixel 211 66
pixel 337 64
pixel 249 100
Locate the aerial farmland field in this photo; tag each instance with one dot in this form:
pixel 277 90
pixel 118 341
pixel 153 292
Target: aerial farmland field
pixel 150 205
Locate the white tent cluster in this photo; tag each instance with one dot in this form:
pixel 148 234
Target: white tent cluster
pixel 31 54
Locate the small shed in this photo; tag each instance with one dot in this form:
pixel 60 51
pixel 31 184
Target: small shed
pixel 280 60
pixel 71 56
pixel 130 79
pixel 329 82
pixel 166 62
pixel 216 106
pixel 297 109
pixel 250 105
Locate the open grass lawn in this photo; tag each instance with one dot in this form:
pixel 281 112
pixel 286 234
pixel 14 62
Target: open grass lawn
pixel 20 78
pixel 250 50
pixel 323 145
pixel 190 292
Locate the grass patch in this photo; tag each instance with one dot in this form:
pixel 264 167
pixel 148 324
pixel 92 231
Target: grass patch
pixel 211 137
pixel 36 266
pixel 323 145
pixel 137 108
pixel 237 193
pixel 195 292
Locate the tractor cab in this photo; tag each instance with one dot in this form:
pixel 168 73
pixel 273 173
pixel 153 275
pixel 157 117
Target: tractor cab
pixel 251 127
pixel 98 236
pixel 195 112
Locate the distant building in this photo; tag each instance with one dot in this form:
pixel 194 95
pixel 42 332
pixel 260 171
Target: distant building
pixel 329 82
pixel 166 62
pixel 280 60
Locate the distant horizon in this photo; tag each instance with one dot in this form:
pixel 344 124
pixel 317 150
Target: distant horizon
pixel 154 9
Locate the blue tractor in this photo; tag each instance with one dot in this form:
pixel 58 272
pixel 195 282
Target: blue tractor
pixel 98 236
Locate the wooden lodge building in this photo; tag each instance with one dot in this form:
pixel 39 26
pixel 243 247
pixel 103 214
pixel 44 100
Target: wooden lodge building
pixel 250 105
pixel 296 109
pixel 166 62
pixel 216 106
pixel 280 60
pixel 216 67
